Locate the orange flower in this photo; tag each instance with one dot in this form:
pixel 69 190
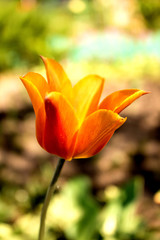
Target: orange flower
pixel 69 121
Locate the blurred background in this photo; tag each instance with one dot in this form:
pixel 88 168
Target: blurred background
pixel 115 195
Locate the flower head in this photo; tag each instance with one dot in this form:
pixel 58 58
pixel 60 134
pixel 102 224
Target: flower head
pixel 70 122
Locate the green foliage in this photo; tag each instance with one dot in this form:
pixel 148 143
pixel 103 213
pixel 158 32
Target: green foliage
pixel 117 219
pixel 52 28
pixel 79 193
pixel 151 11
pixel 23 36
pixel 75 214
pixel 27 34
pixel 119 215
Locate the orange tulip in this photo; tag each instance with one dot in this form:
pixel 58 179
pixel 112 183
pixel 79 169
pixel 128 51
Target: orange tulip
pixel 69 121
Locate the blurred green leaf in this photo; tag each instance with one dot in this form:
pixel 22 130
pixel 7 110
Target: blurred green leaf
pixel 119 215
pixel 80 212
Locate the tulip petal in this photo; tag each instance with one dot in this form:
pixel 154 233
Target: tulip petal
pixel 61 126
pixel 95 132
pixel 40 125
pixel 119 100
pixel 57 78
pixel 36 87
pixel 87 93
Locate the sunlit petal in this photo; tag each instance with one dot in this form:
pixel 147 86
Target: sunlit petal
pixel 38 81
pixel 36 87
pixel 61 126
pixel 119 100
pixel 57 78
pixel 87 93
pixel 95 132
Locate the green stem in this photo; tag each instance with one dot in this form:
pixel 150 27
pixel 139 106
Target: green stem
pixel 48 197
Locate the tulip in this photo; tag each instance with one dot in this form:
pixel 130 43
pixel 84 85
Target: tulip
pixel 70 122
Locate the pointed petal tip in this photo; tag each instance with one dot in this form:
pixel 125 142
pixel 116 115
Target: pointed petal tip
pixel 22 78
pixel 121 120
pixel 147 92
pixel 102 79
pixel 119 100
pixel 42 57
